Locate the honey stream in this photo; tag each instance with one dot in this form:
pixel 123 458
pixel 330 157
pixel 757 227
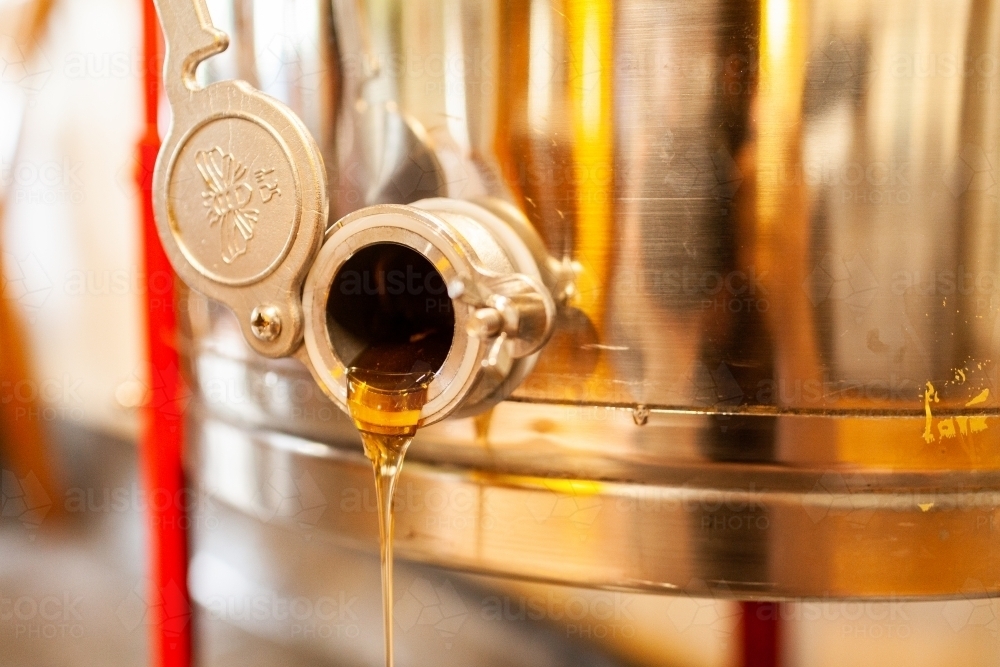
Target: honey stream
pixel 385 403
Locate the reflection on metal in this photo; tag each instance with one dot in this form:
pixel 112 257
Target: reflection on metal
pixel 799 237
pixel 780 221
pixel 246 572
pixel 791 195
pixel 589 496
pixel 651 524
pixel 590 37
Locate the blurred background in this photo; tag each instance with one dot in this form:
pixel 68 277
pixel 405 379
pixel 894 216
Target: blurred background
pixel 72 536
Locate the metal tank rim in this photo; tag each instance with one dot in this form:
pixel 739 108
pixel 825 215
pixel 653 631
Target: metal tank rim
pixel 696 528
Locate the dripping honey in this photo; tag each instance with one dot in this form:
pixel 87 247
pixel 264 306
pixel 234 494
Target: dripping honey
pixel 406 335
pixel 385 403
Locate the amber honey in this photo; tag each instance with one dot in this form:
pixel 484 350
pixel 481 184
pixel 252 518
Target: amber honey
pixel 385 404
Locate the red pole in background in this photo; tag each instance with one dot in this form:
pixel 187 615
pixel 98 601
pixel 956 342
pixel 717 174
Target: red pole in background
pixel 761 634
pixel 161 452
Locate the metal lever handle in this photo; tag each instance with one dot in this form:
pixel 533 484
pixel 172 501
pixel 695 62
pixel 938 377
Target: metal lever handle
pixel 190 38
pixel 239 189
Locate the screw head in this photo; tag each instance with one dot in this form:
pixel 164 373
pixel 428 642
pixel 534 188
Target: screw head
pixel 265 323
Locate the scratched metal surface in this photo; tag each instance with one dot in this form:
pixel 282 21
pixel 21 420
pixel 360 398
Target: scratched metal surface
pixel 774 207
pixel 784 221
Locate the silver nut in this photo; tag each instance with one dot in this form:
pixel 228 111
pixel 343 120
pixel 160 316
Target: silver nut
pixel 485 323
pixel 265 323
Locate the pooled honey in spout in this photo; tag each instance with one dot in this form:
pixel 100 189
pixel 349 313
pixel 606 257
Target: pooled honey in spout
pixel 386 392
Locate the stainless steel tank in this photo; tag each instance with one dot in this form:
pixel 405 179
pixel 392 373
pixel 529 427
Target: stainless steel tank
pixel 771 232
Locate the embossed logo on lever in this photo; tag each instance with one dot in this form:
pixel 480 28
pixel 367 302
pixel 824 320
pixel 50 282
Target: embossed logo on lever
pixel 228 213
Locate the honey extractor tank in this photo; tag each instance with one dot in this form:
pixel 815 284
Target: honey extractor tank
pixel 724 280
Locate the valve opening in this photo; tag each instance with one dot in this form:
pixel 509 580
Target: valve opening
pixel 389 311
